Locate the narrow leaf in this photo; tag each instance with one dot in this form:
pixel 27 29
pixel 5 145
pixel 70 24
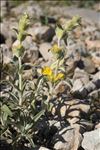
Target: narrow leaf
pixel 6 110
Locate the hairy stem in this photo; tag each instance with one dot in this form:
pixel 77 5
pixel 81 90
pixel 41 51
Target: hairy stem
pixel 58 42
pixel 57 67
pixel 20 81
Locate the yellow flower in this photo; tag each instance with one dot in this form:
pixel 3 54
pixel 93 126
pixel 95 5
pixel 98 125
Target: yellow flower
pixel 58 77
pixel 47 71
pixel 56 49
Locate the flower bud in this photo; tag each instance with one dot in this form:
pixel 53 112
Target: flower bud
pixel 17 48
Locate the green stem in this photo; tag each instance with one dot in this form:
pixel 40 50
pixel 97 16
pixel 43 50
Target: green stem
pixel 20 81
pixel 56 71
pixel 57 67
pixel 58 42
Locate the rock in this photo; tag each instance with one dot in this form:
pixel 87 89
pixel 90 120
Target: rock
pixel 97 126
pixel 85 125
pixel 73 120
pixel 31 50
pixel 40 148
pixel 96 7
pixel 93 44
pixel 81 74
pixel 63 111
pixel 95 94
pixel 70 109
pixel 76 48
pixel 84 86
pixel 89 29
pixel 5 54
pixel 82 107
pixel 89 65
pixel 55 123
pixel 88 15
pixel 96 60
pixel 74 113
pixel 4 8
pixel 77 85
pixel 7 31
pixel 90 87
pixel 32 8
pixel 96 76
pixel 67 139
pixel 42 33
pixel 4 29
pixel 43 148
pixel 62 88
pixel 80 79
pixel 44 51
pixel 91 140
pixel 77 111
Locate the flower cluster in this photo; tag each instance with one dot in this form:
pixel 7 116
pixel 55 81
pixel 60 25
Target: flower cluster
pixel 17 46
pixel 57 51
pixel 51 76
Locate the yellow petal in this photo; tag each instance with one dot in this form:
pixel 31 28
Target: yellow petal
pixel 56 49
pixel 47 71
pixel 59 76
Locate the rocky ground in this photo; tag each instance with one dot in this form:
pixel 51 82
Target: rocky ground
pixel 74 123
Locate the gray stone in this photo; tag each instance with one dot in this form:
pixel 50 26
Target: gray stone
pixel 42 33
pixel 30 7
pixel 3 6
pixel 89 15
pixel 95 94
pixel 86 125
pixel 91 140
pixel 43 148
pixel 44 51
pixel 6 29
pixel 80 79
pixel 31 50
pixel 76 49
pixel 5 54
pixel 96 76
pixel 97 126
pixel 67 139
pixel 40 148
pixel 89 65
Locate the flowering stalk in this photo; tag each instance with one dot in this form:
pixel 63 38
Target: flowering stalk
pixel 18 49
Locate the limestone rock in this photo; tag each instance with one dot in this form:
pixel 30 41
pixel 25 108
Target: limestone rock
pixel 42 33
pixel 31 50
pixel 43 148
pixel 67 139
pixel 91 140
pixel 44 51
pixel 5 54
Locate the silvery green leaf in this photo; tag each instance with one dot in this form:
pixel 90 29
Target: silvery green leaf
pixel 30 140
pixel 37 116
pixel 59 32
pixel 6 110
